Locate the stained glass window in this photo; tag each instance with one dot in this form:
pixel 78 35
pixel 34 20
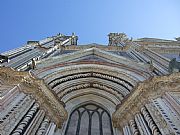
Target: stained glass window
pixel 89 119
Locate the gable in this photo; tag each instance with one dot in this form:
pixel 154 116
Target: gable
pixel 91 55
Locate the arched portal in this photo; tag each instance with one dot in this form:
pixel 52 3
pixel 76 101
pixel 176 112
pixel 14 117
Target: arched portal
pixel 89 119
pixel 104 80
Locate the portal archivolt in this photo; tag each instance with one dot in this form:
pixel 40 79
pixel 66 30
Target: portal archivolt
pixel 78 80
pixel 78 84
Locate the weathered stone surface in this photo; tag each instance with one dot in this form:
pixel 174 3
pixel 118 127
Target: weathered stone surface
pixel 38 91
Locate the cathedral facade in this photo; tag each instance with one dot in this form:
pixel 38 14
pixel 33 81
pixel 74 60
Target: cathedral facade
pixel 57 87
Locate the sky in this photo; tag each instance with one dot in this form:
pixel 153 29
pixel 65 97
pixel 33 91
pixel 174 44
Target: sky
pixel 91 20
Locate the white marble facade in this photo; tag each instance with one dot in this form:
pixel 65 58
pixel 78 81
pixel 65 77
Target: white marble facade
pixel 91 84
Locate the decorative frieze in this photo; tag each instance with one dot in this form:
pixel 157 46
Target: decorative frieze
pixel 63 79
pixel 119 96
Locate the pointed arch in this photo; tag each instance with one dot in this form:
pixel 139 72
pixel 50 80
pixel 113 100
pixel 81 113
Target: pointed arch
pixel 92 119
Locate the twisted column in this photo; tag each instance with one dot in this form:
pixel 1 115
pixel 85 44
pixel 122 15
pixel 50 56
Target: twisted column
pixel 134 128
pixel 43 127
pixel 150 122
pixel 24 123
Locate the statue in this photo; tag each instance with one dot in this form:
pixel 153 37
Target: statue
pixel 33 63
pixel 151 67
pixel 117 39
pixel 178 38
pixel 174 65
pixel 3 58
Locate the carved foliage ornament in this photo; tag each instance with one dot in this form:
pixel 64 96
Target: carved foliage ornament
pixel 150 89
pixel 38 90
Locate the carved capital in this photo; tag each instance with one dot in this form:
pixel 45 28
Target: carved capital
pixel 150 89
pixel 38 91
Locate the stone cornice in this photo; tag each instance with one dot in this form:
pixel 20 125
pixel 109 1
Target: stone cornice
pixel 38 90
pixel 150 89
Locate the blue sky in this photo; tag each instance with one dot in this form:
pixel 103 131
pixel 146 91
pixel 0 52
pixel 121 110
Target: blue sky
pixel 91 20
